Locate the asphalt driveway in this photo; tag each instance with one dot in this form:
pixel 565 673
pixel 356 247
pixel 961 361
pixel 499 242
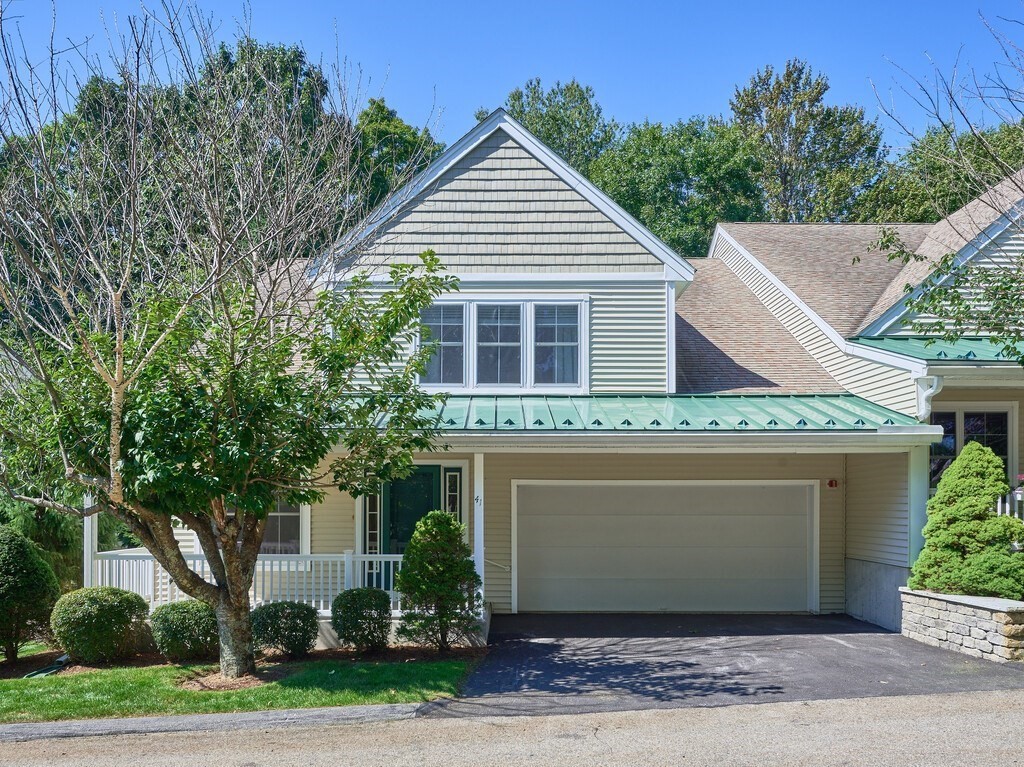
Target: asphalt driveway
pixel 560 664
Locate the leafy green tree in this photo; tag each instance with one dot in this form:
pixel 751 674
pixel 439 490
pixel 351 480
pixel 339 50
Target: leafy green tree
pixel 929 180
pixel 681 180
pixel 439 584
pixel 815 158
pixel 390 150
pixel 566 117
pixel 28 590
pixel 967 548
pixel 166 344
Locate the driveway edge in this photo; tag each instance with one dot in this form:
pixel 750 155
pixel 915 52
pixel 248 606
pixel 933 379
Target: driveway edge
pixel 249 720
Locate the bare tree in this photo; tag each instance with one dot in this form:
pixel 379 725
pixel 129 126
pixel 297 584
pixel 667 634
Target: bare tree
pixel 972 148
pixel 165 220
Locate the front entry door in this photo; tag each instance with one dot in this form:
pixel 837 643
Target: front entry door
pixel 404 503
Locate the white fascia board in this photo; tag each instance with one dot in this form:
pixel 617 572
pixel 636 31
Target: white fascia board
pixel 899 310
pixel 676 266
pixel 915 367
pixel 540 277
pixel 884 439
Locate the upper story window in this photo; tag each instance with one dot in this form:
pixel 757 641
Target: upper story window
pixel 506 345
pixel 445 325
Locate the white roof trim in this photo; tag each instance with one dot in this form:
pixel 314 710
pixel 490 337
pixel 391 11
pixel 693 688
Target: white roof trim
pixel 916 368
pixel 899 310
pixel 676 267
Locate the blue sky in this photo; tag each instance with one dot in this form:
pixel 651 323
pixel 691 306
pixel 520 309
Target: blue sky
pixel 439 61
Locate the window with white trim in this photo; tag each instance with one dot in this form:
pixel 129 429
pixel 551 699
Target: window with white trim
pixel 506 345
pixel 993 428
pixel 444 325
pixel 283 533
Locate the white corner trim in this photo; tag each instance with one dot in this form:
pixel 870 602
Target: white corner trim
pixel 676 265
pixel 969 251
pixel 670 332
pixel 916 368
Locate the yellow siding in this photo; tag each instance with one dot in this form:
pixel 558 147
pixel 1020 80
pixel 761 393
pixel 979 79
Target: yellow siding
pixel 888 386
pixel 877 514
pixel 501 469
pixel 333 522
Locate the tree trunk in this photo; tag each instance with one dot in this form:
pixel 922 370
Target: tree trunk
pixel 235 632
pixel 11 652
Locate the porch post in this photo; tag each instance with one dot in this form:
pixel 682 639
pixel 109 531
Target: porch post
pixel 90 542
pixel 478 516
pixel 917 498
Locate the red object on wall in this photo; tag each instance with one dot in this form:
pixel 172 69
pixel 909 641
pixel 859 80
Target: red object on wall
pixel 833 483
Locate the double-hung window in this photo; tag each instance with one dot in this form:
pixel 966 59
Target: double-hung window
pixel 499 344
pixel 506 345
pixel 283 533
pixel 444 325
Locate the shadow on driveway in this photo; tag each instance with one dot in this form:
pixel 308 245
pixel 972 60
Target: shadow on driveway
pixel 547 664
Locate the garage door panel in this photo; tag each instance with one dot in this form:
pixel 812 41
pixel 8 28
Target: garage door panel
pixel 620 562
pixel 714 548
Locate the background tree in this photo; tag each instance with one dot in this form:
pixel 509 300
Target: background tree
pixel 160 248
pixel 566 117
pixel 681 180
pixel 926 182
pixel 390 150
pixel 815 158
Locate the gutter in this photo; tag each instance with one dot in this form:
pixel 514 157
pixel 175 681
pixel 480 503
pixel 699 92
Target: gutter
pixel 927 388
pixel 884 439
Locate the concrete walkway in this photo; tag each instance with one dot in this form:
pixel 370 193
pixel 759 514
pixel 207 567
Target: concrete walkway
pixel 562 664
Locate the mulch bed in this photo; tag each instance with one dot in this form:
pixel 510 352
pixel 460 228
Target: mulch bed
pixel 270 666
pixel 27 665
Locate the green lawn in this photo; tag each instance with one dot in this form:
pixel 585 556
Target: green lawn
pixel 154 690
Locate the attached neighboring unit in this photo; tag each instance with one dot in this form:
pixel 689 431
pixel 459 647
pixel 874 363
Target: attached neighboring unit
pixel 630 431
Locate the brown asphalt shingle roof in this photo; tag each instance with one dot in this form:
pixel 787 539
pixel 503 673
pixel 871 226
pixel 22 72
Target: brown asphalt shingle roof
pixel 817 262
pixel 727 341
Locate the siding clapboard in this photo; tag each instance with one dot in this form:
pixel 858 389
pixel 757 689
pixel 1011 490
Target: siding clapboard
pixel 877 512
pixel 888 386
pixel 501 210
pixel 1005 253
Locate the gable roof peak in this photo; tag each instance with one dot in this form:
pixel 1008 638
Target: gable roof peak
pixel 676 267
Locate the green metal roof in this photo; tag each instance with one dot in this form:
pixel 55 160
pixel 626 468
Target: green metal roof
pixel 939 351
pixel 666 413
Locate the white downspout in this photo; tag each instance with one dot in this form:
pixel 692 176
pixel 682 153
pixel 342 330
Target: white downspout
pixel 927 387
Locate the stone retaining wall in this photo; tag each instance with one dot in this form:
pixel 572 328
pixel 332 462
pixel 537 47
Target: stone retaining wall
pixel 983 627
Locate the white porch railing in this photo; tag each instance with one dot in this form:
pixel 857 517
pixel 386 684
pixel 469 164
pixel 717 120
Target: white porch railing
pixel 315 579
pixel 1012 505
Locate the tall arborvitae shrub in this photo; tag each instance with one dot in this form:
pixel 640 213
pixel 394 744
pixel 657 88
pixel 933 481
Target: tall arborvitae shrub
pixel 439 585
pixel 967 548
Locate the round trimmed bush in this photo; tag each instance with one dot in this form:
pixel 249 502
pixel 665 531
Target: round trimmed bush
pixel 185 630
pixel 28 589
pixel 362 618
pixel 99 623
pixel 290 627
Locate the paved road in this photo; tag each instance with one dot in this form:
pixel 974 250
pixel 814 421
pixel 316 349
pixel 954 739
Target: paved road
pixel 560 664
pixel 943 730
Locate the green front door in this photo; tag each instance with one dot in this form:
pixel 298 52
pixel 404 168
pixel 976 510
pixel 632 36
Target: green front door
pixel 404 503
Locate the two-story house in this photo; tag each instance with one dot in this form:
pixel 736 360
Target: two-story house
pixel 630 431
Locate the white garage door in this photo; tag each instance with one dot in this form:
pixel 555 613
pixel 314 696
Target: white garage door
pixel 682 547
